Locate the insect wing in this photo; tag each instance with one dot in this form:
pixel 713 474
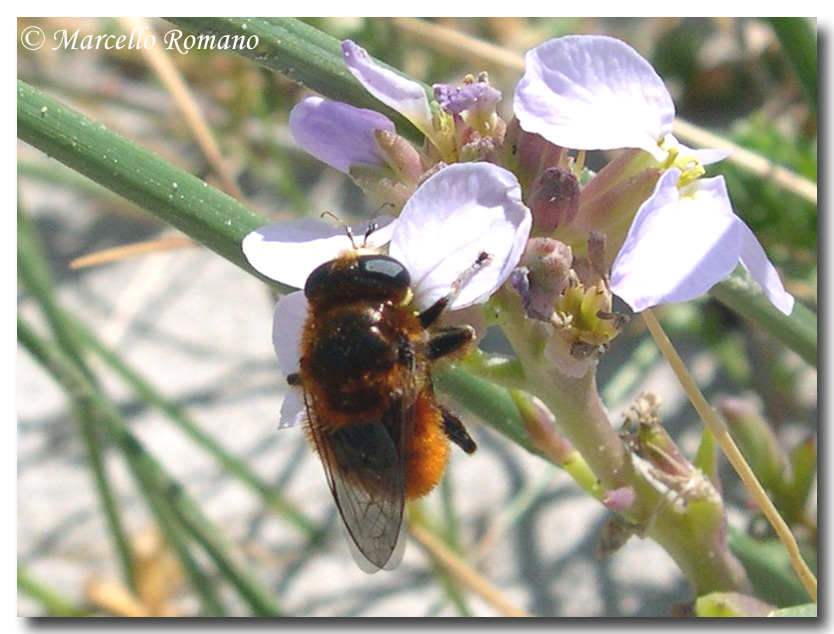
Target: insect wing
pixel 365 469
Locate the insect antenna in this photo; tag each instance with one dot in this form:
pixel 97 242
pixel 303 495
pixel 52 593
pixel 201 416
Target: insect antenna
pixel 346 228
pixel 373 225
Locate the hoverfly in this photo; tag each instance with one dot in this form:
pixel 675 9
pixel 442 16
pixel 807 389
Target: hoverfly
pixel 372 416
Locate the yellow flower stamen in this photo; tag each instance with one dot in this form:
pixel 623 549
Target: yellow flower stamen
pixel 442 135
pixel 582 313
pixel 690 167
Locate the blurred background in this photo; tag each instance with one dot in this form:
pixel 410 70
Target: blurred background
pixel 188 364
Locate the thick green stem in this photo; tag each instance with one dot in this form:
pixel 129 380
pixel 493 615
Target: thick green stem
pixel 178 198
pixel 692 530
pixel 575 402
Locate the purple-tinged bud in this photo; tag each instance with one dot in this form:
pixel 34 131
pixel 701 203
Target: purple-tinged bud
pixel 619 500
pixel 402 156
pixel 527 154
pixel 337 133
pixel 553 199
pixel 542 276
pixel 541 427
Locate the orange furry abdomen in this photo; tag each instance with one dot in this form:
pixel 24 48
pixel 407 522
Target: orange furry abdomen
pixel 427 450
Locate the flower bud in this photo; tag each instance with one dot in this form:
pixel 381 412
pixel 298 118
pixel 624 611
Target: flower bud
pixel 528 154
pixel 756 440
pixel 553 199
pixel 541 427
pixel 542 276
pixel 619 500
pixel 403 157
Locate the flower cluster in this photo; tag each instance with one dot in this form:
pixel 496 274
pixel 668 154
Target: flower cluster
pixel 648 227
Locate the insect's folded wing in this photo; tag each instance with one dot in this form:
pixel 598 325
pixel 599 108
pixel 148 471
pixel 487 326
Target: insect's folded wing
pixel 365 469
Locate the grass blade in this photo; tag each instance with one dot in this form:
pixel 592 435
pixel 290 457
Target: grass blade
pixel 300 52
pixel 149 473
pixel 172 194
pixel 798 331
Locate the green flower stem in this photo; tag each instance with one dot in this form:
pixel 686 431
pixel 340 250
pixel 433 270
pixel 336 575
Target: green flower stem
pixel 178 198
pixel 34 274
pixel 798 331
pixel 52 601
pixel 175 537
pixel 230 463
pixel 693 534
pixel 574 402
pixel 302 53
pixel 799 44
pixel 151 476
pixel 736 459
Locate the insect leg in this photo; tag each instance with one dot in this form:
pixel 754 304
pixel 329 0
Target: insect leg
pixel 430 315
pixel 449 340
pixel 454 429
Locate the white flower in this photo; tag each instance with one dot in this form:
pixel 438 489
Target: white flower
pixel 683 241
pixel 455 215
pixel 593 93
pixel 598 93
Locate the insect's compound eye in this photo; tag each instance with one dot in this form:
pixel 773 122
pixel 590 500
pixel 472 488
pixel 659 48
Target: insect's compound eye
pixel 367 276
pixel 385 271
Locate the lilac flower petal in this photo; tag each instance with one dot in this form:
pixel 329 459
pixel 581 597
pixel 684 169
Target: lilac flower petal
pixel 338 134
pixel 678 246
pixel 287 326
pixel 474 96
pixel 455 215
pixel 403 95
pixel 704 156
pixel 708 156
pixel 755 260
pixel 287 252
pixel 593 93
pixel 293 410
